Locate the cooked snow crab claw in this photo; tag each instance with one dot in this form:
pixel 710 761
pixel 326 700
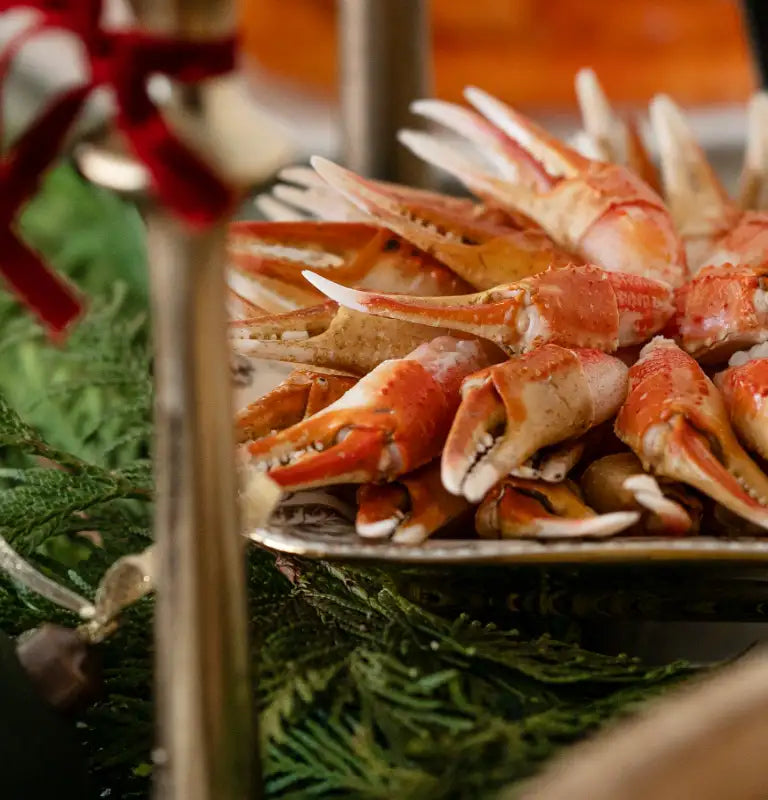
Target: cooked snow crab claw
pixel 613 309
pixel 328 336
pixel 303 393
pixel 618 483
pixel 744 386
pixel 352 253
pixel 391 422
pixel 409 509
pixel 484 245
pixel 715 230
pixel 606 136
pixel 517 508
pixel 601 212
pixel 675 421
pixel 510 411
pixel 722 310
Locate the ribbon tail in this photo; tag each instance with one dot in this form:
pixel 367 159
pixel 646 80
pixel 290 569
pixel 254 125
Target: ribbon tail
pixel 47 295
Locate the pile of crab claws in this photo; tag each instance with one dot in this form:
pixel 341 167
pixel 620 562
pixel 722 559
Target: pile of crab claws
pixel 330 337
pixel 485 246
pixel 510 411
pixel 394 420
pixel 618 483
pixel 409 509
pixel 742 385
pixel 614 310
pixel 675 420
pixel 303 393
pixel 517 508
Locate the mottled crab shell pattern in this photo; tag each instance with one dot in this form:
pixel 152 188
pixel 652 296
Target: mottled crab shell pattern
pixel 612 310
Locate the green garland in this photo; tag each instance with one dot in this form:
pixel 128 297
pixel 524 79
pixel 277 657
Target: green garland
pixel 363 693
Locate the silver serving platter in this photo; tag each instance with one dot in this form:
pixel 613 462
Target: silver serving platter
pixel 318 531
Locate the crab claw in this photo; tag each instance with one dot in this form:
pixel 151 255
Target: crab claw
pixel 484 246
pixel 517 508
pixel 350 252
pixel 602 212
pixel 753 194
pixel 613 309
pixel 608 137
pixel 697 200
pixel 239 307
pixel 721 311
pixel 674 419
pixel 328 336
pixel 394 420
pixel 744 386
pixel 303 393
pixel 408 510
pixel 618 483
pixel 510 411
pixel 305 195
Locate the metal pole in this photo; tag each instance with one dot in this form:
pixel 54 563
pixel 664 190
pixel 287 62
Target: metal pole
pixel 206 749
pixel 385 63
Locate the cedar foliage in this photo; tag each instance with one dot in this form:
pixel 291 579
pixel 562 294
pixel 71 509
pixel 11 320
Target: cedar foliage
pixel 362 692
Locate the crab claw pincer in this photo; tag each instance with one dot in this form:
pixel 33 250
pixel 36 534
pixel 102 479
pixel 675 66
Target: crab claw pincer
pixel 574 306
pixel 485 246
pixel 352 253
pixel 516 508
pixel 602 212
pixel 510 411
pixel 744 386
pixel 409 509
pixel 303 393
pixel 391 422
pixel 675 420
pixel 328 336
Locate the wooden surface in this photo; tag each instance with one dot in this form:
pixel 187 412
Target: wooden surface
pixel 528 51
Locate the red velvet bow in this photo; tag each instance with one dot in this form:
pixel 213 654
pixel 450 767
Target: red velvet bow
pixel 122 61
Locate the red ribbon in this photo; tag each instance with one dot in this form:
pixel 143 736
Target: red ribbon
pixel 122 61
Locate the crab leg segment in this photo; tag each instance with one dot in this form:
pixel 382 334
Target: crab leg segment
pixel 744 386
pixel 618 483
pixel 722 310
pixel 510 411
pixel 394 420
pixel 352 253
pixel 574 306
pixel 674 419
pixel 517 508
pixel 303 393
pixel 484 246
pixel 408 510
pixel 607 136
pixel 330 337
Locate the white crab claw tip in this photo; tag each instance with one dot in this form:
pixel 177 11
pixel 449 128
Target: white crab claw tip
pixel 380 529
pixel 343 295
pixel 410 534
pixel 601 526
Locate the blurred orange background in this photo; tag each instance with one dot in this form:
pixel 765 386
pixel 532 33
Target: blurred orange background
pixel 527 51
